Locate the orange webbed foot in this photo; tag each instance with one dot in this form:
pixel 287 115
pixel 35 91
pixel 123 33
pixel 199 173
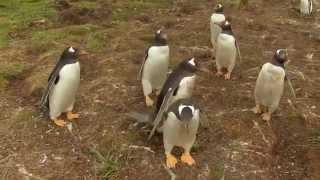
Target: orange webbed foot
pixel 186 158
pixel 71 115
pixel 171 161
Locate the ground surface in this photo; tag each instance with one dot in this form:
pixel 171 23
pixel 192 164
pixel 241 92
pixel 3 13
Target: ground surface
pixel 104 143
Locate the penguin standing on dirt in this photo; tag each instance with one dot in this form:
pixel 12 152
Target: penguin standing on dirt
pixel 226 50
pixel 63 83
pixel 179 129
pixel 306 7
pixel 216 18
pixel 270 85
pixel 153 72
pixel 179 85
pixel 175 114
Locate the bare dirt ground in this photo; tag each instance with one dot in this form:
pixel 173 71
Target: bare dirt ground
pixel 232 142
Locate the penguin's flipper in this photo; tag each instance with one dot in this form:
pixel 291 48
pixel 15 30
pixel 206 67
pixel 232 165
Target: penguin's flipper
pixel 142 65
pixel 52 80
pixel 45 97
pixel 163 108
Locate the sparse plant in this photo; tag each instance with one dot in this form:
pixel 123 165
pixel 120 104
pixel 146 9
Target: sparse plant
pixel 107 165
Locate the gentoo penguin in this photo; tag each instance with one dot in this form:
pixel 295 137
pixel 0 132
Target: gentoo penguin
pixel 226 50
pixel 179 129
pixel 306 7
pixel 179 85
pixel 153 72
pixel 63 82
pixel 270 84
pixel 216 18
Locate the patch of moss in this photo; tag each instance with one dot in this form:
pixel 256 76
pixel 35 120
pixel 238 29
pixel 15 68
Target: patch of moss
pixel 96 42
pixel 122 11
pixel 217 171
pixel 86 4
pixel 16 15
pixel 9 72
pixel 89 35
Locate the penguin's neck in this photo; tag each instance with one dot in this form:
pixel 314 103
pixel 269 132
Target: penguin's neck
pixel 160 42
pixel 227 31
pixel 276 62
pixel 219 12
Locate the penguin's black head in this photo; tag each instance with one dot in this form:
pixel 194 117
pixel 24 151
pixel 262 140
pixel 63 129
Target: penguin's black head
pixel 218 8
pixel 70 53
pixel 186 113
pixel 281 56
pixel 226 26
pixel 160 38
pixel 189 65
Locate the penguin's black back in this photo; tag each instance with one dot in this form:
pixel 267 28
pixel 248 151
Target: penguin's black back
pixel 183 70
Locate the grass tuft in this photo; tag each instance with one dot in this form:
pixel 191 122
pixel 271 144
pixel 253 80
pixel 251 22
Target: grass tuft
pixel 9 72
pixel 107 165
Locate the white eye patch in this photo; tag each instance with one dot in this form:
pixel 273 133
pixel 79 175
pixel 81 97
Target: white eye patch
pixel 71 50
pixel 192 62
pixel 159 31
pixel 227 23
pixel 219 6
pixel 183 106
pixel 280 50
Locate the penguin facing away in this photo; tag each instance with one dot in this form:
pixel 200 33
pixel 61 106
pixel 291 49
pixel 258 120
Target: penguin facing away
pixel 179 129
pixel 226 51
pixel 63 83
pixel 179 85
pixel 306 7
pixel 216 18
pixel 270 85
pixel 153 72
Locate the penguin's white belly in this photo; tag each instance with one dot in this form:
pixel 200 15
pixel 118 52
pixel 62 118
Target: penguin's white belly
pixel 178 133
pixel 226 51
pixel 156 66
pixel 305 7
pixel 186 87
pixel 62 96
pixel 269 85
pixel 214 28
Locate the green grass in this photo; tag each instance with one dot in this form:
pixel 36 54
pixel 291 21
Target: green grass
pixel 9 72
pixel 86 4
pixel 122 11
pixel 107 165
pixel 217 171
pixel 314 139
pixel 90 36
pixel 16 15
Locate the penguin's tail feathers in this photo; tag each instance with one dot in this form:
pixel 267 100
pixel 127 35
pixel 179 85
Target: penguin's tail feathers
pixel 141 117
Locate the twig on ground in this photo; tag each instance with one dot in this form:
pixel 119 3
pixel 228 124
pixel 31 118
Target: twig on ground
pixel 170 172
pixel 22 170
pixel 256 125
pixel 141 147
